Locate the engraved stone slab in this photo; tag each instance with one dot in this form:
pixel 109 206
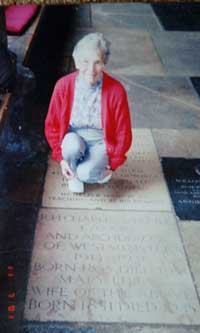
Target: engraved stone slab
pixel 137 185
pixel 183 179
pixel 190 232
pixel 109 267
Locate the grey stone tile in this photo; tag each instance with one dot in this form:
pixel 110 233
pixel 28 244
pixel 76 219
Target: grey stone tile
pixel 192 142
pixel 177 143
pixel 190 232
pixel 122 8
pixel 132 53
pixel 11 39
pixel 177 89
pixel 19 46
pixel 179 52
pixel 130 20
pixel 170 143
pixel 162 102
pixel 164 329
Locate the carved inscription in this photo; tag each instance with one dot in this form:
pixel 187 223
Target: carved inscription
pixel 137 185
pixel 184 185
pixel 109 266
pixel 189 190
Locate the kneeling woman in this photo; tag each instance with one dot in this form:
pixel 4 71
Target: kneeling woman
pixel 88 123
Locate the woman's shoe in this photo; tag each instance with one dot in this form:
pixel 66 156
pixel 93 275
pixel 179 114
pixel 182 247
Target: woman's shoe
pixel 75 185
pixel 105 179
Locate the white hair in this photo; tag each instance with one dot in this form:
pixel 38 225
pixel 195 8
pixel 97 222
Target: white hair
pixel 94 40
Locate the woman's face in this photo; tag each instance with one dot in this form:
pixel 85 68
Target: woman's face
pixel 92 65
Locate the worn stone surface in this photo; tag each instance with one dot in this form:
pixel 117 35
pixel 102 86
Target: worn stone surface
pixel 130 20
pixel 122 8
pixel 177 143
pixel 95 276
pixel 177 51
pixel 19 45
pixel 165 102
pixel 108 328
pixel 164 329
pixel 137 185
pixel 190 233
pixel 132 53
pixel 170 143
pixel 192 142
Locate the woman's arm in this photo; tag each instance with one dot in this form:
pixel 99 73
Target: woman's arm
pixel 123 132
pixel 52 123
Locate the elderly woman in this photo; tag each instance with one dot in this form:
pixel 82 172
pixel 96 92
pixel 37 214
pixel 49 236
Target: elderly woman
pixel 88 123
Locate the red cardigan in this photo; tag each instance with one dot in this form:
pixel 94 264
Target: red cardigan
pixel 115 113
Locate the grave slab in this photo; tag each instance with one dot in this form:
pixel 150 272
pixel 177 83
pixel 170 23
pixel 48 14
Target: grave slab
pixel 130 20
pixel 177 52
pixel 170 143
pixel 83 269
pixel 192 142
pixel 183 179
pixel 162 329
pixel 190 233
pixel 167 102
pixel 122 8
pixel 177 143
pixel 132 53
pixel 137 185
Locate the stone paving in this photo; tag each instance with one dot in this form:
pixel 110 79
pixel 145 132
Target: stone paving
pixel 127 270
pixel 106 263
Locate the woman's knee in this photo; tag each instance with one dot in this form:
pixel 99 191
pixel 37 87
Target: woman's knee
pixel 89 173
pixel 72 144
pixel 83 172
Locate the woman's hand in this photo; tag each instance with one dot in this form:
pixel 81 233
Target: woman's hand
pixel 107 172
pixel 108 167
pixel 66 170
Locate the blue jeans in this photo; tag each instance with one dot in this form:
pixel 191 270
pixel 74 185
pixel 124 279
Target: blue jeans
pixel 85 151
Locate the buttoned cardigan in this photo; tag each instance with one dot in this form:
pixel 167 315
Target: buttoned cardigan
pixel 115 117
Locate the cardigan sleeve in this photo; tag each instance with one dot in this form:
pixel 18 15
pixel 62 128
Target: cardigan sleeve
pixel 123 132
pixel 52 122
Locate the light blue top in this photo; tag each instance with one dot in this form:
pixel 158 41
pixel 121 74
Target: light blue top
pixel 86 109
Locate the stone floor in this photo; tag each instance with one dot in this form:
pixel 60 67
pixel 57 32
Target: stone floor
pixel 118 258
